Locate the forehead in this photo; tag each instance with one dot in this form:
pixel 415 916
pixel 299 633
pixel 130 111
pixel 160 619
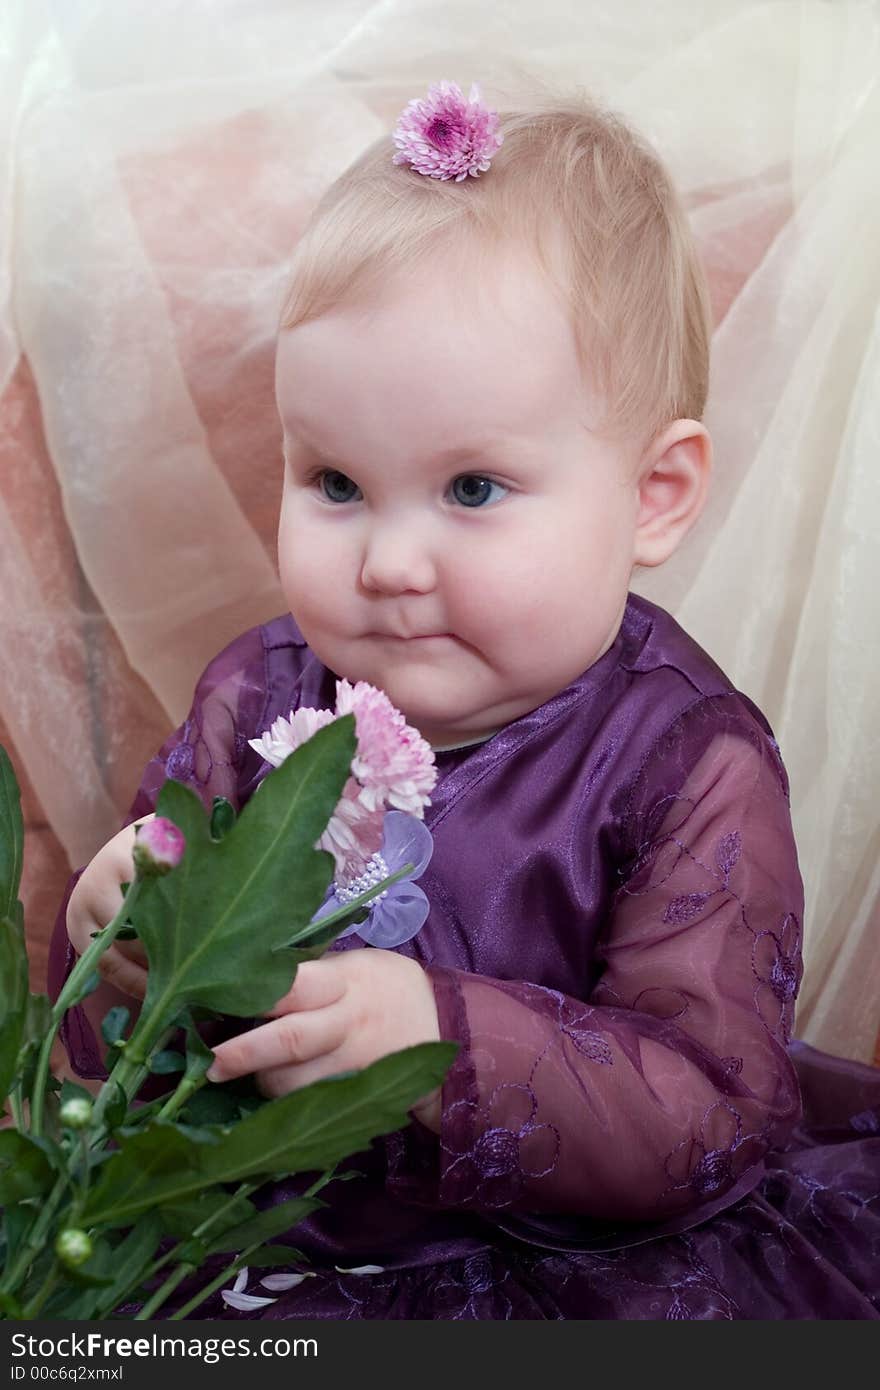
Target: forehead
pixel 488 344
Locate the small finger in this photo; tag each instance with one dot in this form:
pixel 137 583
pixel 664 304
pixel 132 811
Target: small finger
pixel 117 970
pixel 289 1040
pixel 132 950
pixel 316 985
pixel 280 1081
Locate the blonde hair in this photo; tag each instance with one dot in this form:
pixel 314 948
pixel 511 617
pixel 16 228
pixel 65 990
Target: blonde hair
pixel 575 184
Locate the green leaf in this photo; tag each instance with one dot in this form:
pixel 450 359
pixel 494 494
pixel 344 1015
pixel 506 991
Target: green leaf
pixel 166 1061
pixel 130 1259
pixel 117 1109
pixel 211 1107
pixel 56 1155
pixel 13 996
pixel 37 1022
pixel 114 1024
pixel 198 1055
pixel 25 1171
pixel 212 927
pixel 271 1256
pixel 11 838
pixel 17 1220
pixel 182 1218
pixel 313 1128
pixel 70 1091
pixel 222 817
pixel 88 986
pixel 274 1221
pixel 319 938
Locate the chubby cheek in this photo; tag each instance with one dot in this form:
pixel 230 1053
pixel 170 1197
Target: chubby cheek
pixel 311 572
pixel 567 589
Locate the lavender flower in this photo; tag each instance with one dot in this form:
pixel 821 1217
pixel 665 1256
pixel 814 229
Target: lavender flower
pixel 398 913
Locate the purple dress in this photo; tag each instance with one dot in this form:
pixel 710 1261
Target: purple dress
pixel 629 1130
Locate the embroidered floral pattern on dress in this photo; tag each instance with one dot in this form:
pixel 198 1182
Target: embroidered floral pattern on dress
pixel 687 905
pixel 569 1014
pixel 708 1165
pixel 492 1170
pixel 866 1122
pixel 365 1293
pixel 191 759
pixel 180 762
pixel 776 962
pixel 458 1296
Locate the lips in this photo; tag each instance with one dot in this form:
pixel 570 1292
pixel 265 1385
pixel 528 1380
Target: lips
pixel 416 636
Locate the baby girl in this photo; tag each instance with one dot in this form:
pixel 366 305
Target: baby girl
pixel 491 370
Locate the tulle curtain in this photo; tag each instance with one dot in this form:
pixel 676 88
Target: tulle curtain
pixel 158 163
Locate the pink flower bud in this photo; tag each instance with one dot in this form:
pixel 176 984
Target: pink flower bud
pixel 158 847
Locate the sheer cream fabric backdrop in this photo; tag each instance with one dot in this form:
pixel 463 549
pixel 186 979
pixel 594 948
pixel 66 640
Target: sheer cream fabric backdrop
pixel 158 162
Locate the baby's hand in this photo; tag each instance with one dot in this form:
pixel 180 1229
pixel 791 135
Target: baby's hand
pixel 95 901
pixel 343 1012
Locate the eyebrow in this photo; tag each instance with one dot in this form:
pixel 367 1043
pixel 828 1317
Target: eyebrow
pixel 458 453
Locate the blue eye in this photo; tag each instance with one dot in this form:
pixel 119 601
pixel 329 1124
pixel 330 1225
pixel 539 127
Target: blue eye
pixel 470 489
pixel 338 479
pixel 473 496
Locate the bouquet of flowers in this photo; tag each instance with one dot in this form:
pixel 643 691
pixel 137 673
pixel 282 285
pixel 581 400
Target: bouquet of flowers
pixel 109 1199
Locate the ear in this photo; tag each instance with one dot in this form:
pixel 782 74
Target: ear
pixel 673 483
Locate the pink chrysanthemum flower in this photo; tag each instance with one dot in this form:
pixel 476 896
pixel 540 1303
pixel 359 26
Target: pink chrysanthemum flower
pixel 287 734
pixel 393 763
pixel 446 137
pixel 353 834
pixel 393 766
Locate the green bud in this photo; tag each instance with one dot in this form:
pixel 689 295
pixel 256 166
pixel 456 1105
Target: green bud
pixel 73 1247
pixel 76 1113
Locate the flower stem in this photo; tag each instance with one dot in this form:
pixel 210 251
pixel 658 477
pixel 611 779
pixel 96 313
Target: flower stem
pixel 243 1190
pixel 128 1075
pixel 34 1239
pixel 17 1109
pixel 230 1269
pixel 237 1264
pixel 32 1309
pixel 176 1275
pixel 185 1091
pixel 70 992
pixel 159 1297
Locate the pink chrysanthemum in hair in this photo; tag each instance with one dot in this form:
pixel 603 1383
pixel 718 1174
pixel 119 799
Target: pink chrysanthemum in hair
pixel 446 137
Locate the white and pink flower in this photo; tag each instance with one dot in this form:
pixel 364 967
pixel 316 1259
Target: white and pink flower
pixel 393 767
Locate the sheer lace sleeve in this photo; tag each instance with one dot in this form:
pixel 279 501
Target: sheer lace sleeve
pixel 209 748
pixel 670 1078
pixel 208 752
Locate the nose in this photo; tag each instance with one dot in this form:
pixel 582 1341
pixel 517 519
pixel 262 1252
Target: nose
pixel 396 560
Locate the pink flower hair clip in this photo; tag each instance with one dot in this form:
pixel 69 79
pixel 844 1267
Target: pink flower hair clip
pixel 446 137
